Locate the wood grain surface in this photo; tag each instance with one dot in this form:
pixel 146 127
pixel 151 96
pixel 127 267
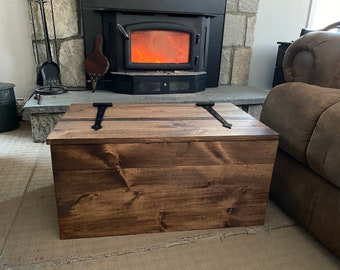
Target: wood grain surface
pixel 124 123
pixel 145 182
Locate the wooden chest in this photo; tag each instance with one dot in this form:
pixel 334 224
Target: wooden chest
pixel 160 167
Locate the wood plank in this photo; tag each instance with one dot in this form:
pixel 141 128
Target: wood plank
pixel 150 111
pixel 121 212
pixel 142 179
pixel 142 155
pixel 161 222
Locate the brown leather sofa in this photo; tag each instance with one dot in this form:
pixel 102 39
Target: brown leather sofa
pixel 305 111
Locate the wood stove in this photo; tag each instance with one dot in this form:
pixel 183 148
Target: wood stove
pixel 157 47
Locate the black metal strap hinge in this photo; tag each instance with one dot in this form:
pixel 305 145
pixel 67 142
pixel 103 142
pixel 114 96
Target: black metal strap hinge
pixel 100 114
pixel 209 107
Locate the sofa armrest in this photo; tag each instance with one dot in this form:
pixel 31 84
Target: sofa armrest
pixel 293 110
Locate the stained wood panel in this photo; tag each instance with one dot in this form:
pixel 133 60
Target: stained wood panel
pixel 78 157
pixel 155 123
pixel 156 168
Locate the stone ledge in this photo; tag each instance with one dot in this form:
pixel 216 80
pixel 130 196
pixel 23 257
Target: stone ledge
pixel 45 115
pixel 238 95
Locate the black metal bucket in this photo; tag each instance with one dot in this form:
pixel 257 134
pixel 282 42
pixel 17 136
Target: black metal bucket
pixel 9 118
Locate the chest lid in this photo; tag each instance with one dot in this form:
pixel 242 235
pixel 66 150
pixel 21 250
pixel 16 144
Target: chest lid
pixel 148 123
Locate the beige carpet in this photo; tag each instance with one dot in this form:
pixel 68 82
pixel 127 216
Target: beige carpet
pixel 29 230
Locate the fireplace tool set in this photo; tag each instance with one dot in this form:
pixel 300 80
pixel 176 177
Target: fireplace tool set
pixel 48 74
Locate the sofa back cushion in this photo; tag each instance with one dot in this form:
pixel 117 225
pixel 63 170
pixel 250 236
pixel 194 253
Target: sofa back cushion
pixel 323 152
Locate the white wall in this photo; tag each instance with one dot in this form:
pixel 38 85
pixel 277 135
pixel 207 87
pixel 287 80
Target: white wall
pixel 16 58
pixel 277 21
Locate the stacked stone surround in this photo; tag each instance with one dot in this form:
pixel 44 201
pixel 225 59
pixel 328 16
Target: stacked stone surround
pixel 68 47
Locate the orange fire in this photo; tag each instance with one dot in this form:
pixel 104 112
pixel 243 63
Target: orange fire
pixel 160 47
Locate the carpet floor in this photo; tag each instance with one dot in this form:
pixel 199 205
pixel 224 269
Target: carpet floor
pixel 29 236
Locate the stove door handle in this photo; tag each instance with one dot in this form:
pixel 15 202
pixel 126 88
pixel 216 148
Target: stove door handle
pixel 123 31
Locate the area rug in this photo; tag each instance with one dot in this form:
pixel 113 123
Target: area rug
pixel 29 237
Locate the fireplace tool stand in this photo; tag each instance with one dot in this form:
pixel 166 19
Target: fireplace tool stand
pixel 48 74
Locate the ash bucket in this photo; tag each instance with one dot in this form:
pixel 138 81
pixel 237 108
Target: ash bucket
pixel 9 118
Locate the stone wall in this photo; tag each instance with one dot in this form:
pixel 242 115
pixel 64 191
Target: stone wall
pixel 68 48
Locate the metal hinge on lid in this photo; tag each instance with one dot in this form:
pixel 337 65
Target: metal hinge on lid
pixel 209 107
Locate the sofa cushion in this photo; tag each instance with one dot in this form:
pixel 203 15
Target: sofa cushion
pixel 293 109
pixel 323 152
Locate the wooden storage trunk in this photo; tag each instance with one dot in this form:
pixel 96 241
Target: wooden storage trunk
pixel 160 167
